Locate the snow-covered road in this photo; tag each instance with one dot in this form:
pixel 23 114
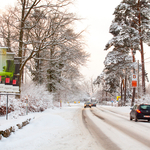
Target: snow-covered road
pixel 115 131
pixel 54 129
pixel 63 129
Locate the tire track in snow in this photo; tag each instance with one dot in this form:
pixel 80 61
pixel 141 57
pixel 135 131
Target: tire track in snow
pixel 102 139
pixel 122 129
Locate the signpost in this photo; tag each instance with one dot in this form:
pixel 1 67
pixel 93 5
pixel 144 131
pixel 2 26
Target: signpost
pixel 9 74
pixel 134 80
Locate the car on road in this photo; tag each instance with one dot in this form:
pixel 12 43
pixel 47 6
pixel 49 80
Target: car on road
pixel 93 104
pixel 87 104
pixel 141 111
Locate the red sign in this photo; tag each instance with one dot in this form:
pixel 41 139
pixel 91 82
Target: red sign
pixel 134 76
pixel 14 82
pixel 134 83
pixel 7 80
pixel 0 78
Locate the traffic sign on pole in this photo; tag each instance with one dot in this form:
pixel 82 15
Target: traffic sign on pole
pixel 134 80
pixel 134 83
pixel 134 77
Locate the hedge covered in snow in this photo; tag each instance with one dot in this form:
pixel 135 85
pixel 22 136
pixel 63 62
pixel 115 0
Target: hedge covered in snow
pixel 33 98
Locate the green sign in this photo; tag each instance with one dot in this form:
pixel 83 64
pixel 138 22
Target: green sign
pixel 9 70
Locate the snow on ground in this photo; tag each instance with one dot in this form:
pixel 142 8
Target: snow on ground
pixel 120 130
pixel 55 129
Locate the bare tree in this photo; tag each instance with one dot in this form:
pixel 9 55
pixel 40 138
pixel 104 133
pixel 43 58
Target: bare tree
pixel 44 35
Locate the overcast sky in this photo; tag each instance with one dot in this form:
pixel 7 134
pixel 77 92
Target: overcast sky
pixel 98 17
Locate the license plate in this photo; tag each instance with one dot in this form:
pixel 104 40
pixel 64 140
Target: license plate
pixel 147 116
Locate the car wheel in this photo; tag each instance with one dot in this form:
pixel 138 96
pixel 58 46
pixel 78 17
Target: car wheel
pixel 136 119
pixel 84 107
pixel 90 107
pixel 130 117
pixel 148 120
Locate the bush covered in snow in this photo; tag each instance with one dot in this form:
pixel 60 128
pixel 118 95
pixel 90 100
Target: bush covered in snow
pixel 33 97
pixel 144 99
pixel 3 109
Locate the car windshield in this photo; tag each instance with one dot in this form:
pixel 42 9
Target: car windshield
pixel 88 103
pixel 145 107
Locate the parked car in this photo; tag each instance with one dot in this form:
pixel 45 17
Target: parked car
pixel 93 104
pixel 87 104
pixel 141 111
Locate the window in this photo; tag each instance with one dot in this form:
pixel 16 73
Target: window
pixel 143 107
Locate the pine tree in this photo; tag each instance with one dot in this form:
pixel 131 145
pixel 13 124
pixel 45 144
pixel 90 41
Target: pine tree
pixel 130 28
pixel 135 14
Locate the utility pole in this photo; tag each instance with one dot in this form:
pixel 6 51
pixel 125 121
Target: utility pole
pixel 133 94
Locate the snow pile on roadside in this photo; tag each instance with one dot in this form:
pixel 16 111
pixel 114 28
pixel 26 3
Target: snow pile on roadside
pixel 124 110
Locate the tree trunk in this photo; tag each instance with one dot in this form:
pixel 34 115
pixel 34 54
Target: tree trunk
pixel 143 68
pixel 21 42
pixel 121 91
pixel 125 90
pixel 142 50
pixel 133 96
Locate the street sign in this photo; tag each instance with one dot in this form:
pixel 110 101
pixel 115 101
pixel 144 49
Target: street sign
pixel 9 71
pixel 118 98
pixel 134 80
pixel 134 83
pixel 134 77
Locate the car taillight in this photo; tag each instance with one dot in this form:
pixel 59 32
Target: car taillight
pixel 138 111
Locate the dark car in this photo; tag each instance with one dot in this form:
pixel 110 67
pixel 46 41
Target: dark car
pixel 87 104
pixel 93 104
pixel 141 111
